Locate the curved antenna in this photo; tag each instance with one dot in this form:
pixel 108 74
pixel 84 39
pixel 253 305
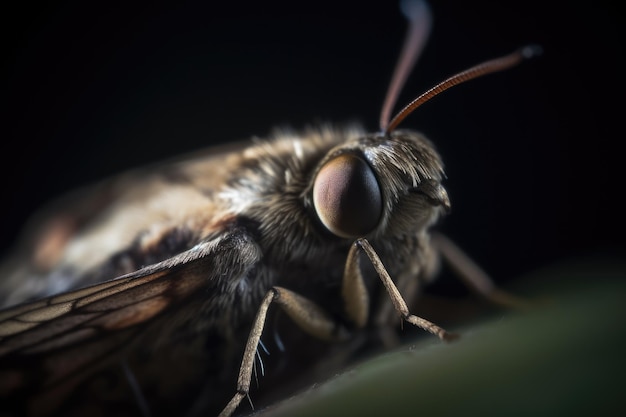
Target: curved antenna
pixel 420 23
pixel 494 65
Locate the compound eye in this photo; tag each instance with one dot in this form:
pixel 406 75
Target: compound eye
pixel 347 197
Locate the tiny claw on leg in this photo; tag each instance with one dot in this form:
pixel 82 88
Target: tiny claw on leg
pixel 449 337
pixel 431 327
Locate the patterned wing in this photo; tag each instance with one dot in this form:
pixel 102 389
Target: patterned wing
pixel 49 347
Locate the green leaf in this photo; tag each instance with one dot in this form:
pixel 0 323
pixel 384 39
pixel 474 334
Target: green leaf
pixel 565 357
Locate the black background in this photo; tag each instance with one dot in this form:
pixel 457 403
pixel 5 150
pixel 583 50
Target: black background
pixel 534 170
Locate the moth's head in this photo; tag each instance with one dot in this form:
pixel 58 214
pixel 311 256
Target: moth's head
pixel 379 185
pixel 361 186
pixel 390 182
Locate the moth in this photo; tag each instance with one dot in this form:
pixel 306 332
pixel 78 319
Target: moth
pixel 149 293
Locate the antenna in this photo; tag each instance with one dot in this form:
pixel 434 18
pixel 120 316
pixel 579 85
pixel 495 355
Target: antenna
pixel 494 65
pixel 420 22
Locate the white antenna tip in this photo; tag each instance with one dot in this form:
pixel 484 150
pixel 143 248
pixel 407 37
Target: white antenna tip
pixel 412 9
pixel 531 51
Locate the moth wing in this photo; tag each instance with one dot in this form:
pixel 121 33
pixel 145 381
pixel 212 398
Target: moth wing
pixel 49 346
pixel 106 218
pixel 49 230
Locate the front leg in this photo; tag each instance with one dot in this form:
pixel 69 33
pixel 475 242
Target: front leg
pixel 305 313
pixel 395 296
pixel 315 321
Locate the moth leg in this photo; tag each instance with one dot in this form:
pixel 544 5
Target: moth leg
pixel 396 298
pixel 473 276
pixel 305 313
pixel 353 290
